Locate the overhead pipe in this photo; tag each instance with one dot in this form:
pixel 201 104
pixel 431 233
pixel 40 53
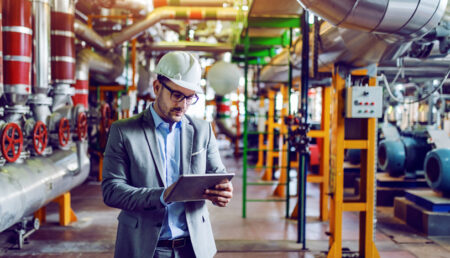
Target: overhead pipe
pixel 211 3
pixel 88 60
pixel 349 46
pixel 17 50
pixel 38 180
pixel 409 19
pixel 191 46
pixel 169 12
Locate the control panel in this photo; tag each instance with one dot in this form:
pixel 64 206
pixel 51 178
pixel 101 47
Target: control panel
pixel 364 102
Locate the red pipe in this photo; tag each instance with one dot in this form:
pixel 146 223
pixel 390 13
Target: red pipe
pixel 81 93
pixel 63 48
pixel 17 46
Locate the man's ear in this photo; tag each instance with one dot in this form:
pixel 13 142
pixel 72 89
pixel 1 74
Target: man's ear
pixel 156 87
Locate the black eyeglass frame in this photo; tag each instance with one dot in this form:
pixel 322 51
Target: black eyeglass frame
pixel 193 97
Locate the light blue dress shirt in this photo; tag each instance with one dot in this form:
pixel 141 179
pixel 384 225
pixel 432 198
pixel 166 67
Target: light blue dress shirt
pixel 174 225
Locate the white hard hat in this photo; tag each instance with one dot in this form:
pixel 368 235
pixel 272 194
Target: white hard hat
pixel 182 68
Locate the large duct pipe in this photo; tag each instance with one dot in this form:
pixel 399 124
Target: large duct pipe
pixel 17 50
pixel 345 45
pixel 88 60
pixel 409 19
pixel 178 13
pixel 31 185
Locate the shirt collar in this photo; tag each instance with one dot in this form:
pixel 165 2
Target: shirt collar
pixel 160 122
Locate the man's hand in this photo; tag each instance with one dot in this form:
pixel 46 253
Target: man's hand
pixel 167 192
pixel 221 194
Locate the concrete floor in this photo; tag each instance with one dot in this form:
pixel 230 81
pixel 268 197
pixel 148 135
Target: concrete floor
pixel 264 233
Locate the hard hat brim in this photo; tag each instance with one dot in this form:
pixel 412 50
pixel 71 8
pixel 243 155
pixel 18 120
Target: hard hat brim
pixel 187 85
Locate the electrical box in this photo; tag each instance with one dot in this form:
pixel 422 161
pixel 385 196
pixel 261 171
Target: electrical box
pixel 364 102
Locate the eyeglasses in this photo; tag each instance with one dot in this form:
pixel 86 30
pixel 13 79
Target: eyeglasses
pixel 177 96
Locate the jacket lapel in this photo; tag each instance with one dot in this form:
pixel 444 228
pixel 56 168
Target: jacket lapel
pixel 148 126
pixel 187 135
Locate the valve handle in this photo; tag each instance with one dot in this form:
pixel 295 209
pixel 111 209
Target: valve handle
pixel 64 132
pixel 106 117
pixel 82 126
pixel 11 137
pixel 40 137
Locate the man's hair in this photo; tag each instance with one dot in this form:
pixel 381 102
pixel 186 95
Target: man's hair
pixel 162 78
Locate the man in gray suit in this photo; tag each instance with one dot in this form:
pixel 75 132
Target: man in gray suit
pixel 146 154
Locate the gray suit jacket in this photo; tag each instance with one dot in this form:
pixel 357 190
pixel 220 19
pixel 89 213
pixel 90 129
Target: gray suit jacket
pixel 133 180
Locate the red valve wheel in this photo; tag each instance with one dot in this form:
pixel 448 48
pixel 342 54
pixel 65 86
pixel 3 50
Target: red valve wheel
pixel 12 137
pixel 106 117
pixel 82 126
pixel 64 132
pixel 40 137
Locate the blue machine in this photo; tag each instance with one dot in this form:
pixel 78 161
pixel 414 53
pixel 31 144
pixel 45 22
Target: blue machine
pixel 437 169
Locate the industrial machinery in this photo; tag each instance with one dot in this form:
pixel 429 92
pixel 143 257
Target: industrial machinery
pixel 43 130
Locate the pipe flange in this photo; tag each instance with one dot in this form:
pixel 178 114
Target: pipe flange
pixel 40 99
pixel 63 89
pixel 17 109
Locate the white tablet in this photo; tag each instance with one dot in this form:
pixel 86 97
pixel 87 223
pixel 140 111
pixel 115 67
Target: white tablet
pixel 192 187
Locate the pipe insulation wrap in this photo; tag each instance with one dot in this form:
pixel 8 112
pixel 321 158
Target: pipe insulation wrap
pixel 17 40
pixel 41 46
pixel 24 188
pixel 437 169
pixel 406 18
pixel 63 43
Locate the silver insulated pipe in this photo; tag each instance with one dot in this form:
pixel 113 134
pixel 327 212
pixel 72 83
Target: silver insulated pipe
pixel 378 38
pixel 25 188
pixel 41 60
pixel 406 18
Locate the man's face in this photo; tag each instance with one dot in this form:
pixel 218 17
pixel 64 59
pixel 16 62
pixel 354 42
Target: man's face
pixel 169 110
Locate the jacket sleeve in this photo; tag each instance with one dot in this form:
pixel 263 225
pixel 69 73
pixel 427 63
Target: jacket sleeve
pixel 117 191
pixel 213 161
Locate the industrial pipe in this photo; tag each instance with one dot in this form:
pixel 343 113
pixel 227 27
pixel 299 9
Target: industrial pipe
pixel 340 42
pixel 212 3
pixel 191 46
pixel 409 19
pixel 31 185
pixel 88 60
pixel 1 53
pixel 437 169
pixel 39 101
pixel 17 50
pixel 63 42
pixel 41 46
pixel 179 13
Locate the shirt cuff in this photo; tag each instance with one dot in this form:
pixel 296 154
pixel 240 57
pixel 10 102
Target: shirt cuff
pixel 162 198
